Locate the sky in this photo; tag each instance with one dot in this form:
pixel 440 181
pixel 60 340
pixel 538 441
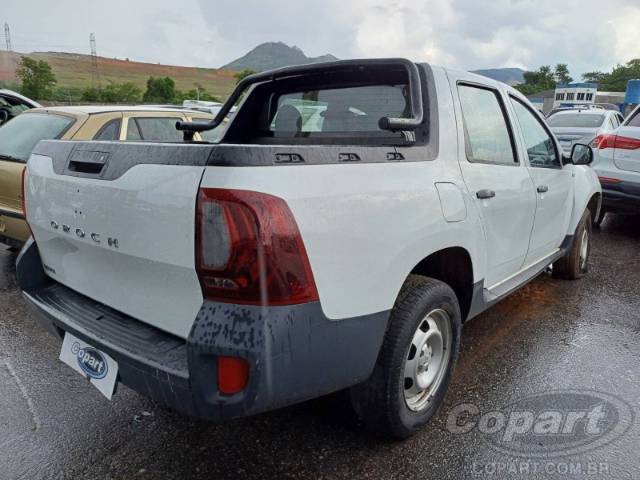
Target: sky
pixel 467 34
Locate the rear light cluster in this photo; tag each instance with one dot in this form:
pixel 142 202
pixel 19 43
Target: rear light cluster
pixel 249 250
pixel 604 141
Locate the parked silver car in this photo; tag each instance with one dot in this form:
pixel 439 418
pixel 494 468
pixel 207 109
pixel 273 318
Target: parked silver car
pixel 582 125
pixel 12 104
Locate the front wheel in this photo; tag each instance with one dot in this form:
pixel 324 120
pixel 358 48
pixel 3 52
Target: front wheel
pixel 416 360
pixel 576 262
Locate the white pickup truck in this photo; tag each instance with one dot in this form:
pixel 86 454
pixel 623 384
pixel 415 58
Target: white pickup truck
pixel 353 217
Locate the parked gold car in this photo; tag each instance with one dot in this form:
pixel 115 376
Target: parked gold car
pixel 20 135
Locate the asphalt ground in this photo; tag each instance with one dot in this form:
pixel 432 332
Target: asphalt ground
pixel 554 345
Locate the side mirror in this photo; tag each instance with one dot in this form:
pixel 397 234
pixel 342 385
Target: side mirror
pixel 581 154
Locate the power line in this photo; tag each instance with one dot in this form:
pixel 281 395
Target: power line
pixel 7 36
pixel 95 73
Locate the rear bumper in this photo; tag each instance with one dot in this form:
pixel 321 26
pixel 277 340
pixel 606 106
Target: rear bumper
pixel 295 353
pixel 623 197
pixel 14 230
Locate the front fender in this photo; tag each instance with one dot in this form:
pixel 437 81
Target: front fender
pixel 586 187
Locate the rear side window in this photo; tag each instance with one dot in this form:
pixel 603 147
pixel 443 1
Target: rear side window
pixel 109 131
pixel 487 134
pixel 152 129
pixel 635 120
pixel 20 135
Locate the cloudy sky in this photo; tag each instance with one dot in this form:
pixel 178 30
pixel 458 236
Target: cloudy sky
pixel 469 34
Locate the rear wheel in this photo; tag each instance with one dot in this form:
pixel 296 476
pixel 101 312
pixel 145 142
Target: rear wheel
pixel 576 263
pixel 416 360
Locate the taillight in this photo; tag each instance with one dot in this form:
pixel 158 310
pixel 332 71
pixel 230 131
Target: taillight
pixel 603 141
pixel 23 204
pixel 609 180
pixel 615 141
pixel 249 250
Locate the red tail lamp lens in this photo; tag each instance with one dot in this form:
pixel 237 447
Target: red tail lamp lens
pixel 604 141
pixel 233 375
pixel 249 250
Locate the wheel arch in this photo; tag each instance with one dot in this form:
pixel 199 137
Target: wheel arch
pixel 453 266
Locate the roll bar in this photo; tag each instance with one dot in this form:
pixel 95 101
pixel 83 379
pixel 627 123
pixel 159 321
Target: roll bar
pixel 385 123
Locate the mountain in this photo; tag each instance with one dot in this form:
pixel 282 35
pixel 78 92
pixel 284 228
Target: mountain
pixel 510 76
pixel 274 55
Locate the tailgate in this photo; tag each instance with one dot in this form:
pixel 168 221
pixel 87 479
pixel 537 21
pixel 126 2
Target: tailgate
pixel 628 158
pixel 116 222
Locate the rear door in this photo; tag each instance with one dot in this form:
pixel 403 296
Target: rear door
pixel 553 182
pixel 498 180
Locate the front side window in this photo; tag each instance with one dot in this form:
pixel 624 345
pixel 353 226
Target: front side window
pixel 487 134
pixel 538 142
pixel 19 136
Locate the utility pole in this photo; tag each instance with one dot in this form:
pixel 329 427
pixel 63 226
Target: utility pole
pixel 95 73
pixel 7 37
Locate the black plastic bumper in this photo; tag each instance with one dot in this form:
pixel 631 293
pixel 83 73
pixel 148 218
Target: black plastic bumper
pixel 623 197
pixel 295 352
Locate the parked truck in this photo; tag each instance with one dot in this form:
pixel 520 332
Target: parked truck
pixel 354 215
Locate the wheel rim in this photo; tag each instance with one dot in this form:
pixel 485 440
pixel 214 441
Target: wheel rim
pixel 584 250
pixel 427 360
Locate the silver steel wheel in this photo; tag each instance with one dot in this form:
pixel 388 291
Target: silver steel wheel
pixel 427 359
pixel 584 249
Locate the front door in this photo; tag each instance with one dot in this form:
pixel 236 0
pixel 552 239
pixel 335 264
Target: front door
pixel 500 184
pixel 553 183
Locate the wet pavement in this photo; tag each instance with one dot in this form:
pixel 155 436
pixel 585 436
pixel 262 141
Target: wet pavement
pixel 552 336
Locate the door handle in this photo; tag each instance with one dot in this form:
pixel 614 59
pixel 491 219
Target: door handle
pixel 543 189
pixel 485 194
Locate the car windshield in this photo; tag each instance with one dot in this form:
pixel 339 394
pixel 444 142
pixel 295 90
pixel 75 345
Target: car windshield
pixel 20 135
pixel 578 120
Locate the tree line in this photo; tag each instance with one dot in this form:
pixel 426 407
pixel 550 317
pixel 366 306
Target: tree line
pixel 546 78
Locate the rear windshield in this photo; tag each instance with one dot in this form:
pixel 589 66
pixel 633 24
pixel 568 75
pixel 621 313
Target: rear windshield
pixel 578 120
pixel 344 107
pixel 20 135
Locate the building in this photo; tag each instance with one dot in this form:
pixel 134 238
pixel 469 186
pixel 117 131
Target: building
pixel 632 95
pixel 571 94
pixel 546 101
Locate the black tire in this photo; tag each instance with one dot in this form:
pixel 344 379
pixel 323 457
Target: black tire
pixel 380 401
pixel 572 266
